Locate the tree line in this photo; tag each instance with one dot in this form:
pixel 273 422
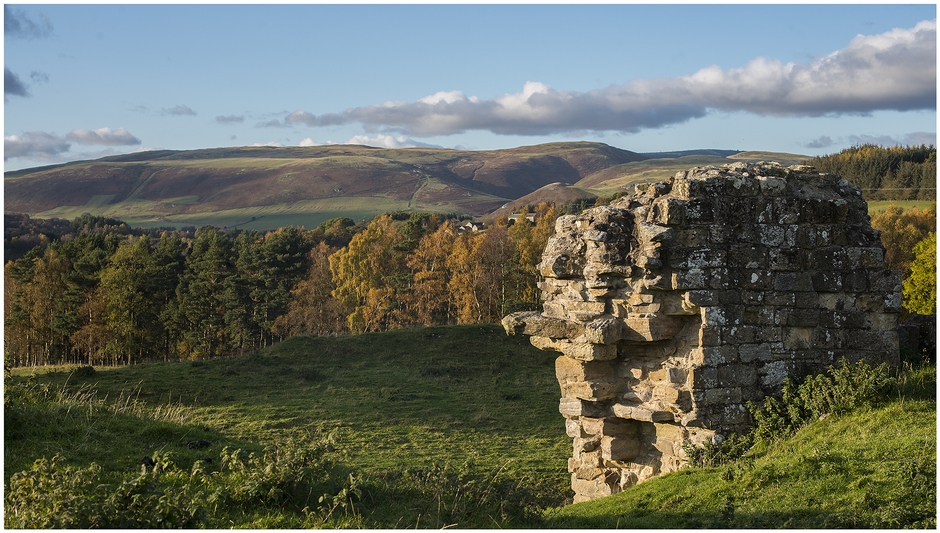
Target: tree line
pixel 886 173
pixel 102 294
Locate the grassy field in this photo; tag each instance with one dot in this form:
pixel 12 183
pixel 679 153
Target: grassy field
pixel 441 427
pixel 466 397
pixel 882 205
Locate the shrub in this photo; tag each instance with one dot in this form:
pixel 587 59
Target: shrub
pixel 52 495
pixel 290 478
pixel 291 474
pixel 850 387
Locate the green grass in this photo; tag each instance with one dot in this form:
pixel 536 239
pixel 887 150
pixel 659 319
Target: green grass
pixel 882 205
pixel 456 426
pixel 872 468
pixel 458 404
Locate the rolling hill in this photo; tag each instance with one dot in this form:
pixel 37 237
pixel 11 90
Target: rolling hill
pixel 267 187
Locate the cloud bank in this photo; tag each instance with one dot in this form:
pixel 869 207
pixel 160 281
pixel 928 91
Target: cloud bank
pixel 908 139
pixel 103 136
pixel 895 70
pixel 45 146
pixel 36 144
pixel 379 141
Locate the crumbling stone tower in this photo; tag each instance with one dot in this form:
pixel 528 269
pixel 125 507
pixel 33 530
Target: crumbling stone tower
pixel 675 306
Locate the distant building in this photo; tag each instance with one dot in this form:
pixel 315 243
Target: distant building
pixel 471 226
pixel 516 216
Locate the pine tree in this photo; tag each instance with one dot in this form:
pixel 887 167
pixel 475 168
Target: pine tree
pixel 200 305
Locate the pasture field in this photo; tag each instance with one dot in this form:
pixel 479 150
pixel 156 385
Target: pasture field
pixel 882 205
pixel 454 426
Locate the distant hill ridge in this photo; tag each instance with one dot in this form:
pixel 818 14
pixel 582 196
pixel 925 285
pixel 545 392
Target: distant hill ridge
pixel 266 187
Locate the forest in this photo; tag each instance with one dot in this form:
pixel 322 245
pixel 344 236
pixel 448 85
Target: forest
pixel 886 173
pixel 105 294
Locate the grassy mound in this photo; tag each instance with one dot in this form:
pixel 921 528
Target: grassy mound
pixel 430 428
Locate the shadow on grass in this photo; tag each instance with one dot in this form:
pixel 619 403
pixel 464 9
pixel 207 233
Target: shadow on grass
pixel 723 519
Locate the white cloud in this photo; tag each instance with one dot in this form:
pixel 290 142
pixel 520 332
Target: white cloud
pixel 895 70
pixel 308 142
pixel 104 136
pixel 274 144
pixel 36 144
pixel 51 148
pixel 387 141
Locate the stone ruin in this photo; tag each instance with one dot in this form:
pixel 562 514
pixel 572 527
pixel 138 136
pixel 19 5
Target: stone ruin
pixel 674 307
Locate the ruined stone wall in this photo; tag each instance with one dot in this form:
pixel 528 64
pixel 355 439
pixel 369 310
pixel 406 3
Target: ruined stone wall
pixel 675 306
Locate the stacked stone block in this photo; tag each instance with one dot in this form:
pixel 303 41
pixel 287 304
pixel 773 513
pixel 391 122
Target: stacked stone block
pixel 674 307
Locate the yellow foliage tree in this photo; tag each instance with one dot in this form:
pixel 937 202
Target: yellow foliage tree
pixel 368 262
pixel 901 229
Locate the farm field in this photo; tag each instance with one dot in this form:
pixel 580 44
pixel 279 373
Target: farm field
pixel 454 426
pixel 882 205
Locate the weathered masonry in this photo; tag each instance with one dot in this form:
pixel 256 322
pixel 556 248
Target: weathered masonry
pixel 675 306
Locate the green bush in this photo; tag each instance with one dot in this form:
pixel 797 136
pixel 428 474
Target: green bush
pixel 448 495
pixel 52 495
pixel 850 387
pixel 292 478
pixel 291 474
pixel 817 396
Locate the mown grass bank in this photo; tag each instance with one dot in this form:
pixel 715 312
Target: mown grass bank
pixel 430 428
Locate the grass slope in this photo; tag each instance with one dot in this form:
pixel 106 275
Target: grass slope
pixel 868 469
pixel 459 426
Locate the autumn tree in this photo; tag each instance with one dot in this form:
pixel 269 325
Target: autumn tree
pixel 920 288
pixel 41 300
pixel 529 240
pixel 369 262
pixel 478 264
pixel 90 341
pixel 312 309
pixel 429 302
pixel 901 229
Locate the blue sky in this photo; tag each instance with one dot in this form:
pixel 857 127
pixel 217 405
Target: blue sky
pixel 85 81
